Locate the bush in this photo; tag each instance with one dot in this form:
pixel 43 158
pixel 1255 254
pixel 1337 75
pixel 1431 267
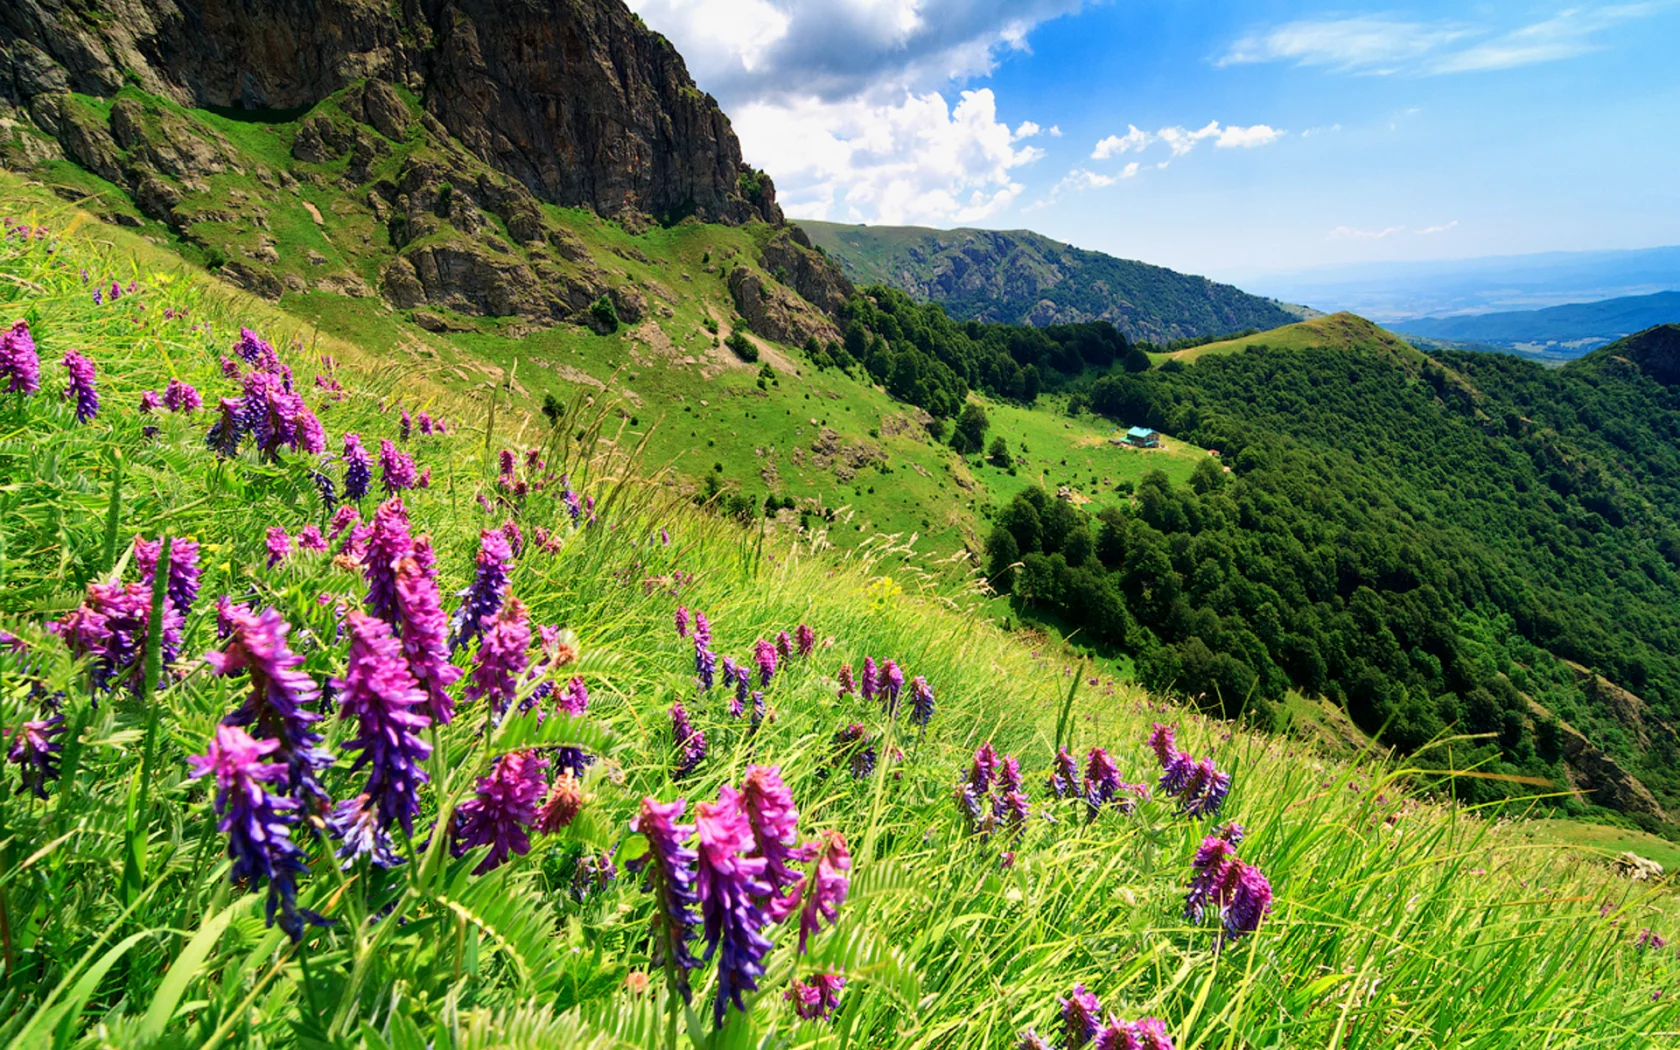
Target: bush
pixel 604 314
pixel 743 347
pixel 999 453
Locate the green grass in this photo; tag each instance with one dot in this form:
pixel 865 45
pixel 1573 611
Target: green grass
pixel 1343 331
pixel 1397 922
pixel 1602 840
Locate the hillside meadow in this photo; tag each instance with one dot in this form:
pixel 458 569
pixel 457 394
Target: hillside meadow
pixel 142 776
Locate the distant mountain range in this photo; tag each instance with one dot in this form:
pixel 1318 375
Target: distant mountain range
pixel 1556 331
pixel 1390 292
pixel 1020 277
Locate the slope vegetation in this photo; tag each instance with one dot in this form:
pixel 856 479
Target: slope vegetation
pixel 1390 919
pixel 1020 277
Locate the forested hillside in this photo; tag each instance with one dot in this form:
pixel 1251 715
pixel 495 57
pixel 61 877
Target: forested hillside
pixel 1021 277
pixel 1423 543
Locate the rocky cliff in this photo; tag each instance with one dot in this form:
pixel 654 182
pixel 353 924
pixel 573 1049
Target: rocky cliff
pixel 576 100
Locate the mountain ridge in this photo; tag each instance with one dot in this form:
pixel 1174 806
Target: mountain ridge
pixel 1024 277
pixel 1572 324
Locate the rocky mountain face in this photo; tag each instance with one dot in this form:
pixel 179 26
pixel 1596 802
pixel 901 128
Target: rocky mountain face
pixel 576 100
pixel 1020 277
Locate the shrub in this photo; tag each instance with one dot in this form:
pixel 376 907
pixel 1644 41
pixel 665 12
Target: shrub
pixel 743 347
pixel 604 314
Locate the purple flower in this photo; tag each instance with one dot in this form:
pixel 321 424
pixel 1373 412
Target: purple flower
pixel 818 998
pixel 224 434
pixel 854 746
pixel 111 625
pixel 804 639
pixel 504 805
pixel 770 811
pixel 82 386
pixel 574 699
pixel 279 545
pixel 1162 742
pixel 396 468
pixel 1176 772
pixel 1208 874
pixel 871 679
pixel 705 665
pixel 1250 902
pixel 388 545
pixel 279 694
pixel 252 347
pixel 502 657
pixel 309 538
pixel 483 600
pixel 847 686
pixel 1009 774
pixel 424 419
pixel 1065 777
pixel 690 742
pixel 784 645
pixel 405 426
pixel 730 885
pixel 757 709
pixel 1031 1040
pixel 379 693
pixel 510 528
pixel 19 363
pixel 149 402
pixel 892 684
pixel 668 873
pixel 358 468
pixel 345 518
pixel 1648 939
pixel 1231 832
pixel 355 824
pixel 1011 808
pixel 1205 790
pixel 820 894
pixel 1102 781
pixel 180 396
pixel 35 751
pixel 1081 1017
pixel 257 822
pixel 702 628
pixel 682 621
pixel 764 655
pixel 921 702
pixel 182 586
pixel 1150 1033
pixel 423 630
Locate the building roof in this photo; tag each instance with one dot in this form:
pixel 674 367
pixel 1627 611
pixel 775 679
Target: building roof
pixel 1140 432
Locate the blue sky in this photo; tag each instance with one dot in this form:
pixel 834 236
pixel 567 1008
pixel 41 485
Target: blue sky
pixel 1227 139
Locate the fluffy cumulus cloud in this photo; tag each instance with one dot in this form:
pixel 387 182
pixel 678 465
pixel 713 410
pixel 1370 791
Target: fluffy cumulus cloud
pixel 914 160
pixel 1181 140
pixel 848 103
pixel 1384 45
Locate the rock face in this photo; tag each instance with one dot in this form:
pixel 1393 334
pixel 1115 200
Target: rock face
pixel 777 312
pixel 1593 772
pixel 577 100
pixel 790 256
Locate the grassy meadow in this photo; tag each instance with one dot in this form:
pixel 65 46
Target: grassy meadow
pixel 1396 922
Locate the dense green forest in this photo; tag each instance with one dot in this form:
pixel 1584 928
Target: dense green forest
pixel 1373 514
pixel 924 357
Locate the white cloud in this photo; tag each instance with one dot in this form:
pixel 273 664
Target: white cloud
pixel 1027 130
pixel 1181 141
pixel 916 160
pixel 1443 228
pixel 1348 233
pixel 1311 132
pixel 1055 131
pixel 1382 45
pixel 1133 139
pixel 1234 137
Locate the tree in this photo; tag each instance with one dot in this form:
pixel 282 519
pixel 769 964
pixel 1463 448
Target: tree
pixel 969 434
pixel 998 453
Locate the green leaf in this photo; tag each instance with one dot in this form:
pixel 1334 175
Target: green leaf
pixel 185 968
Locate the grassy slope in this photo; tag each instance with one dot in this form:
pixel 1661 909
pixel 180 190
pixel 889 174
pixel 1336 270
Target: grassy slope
pixel 1395 924
pixel 1341 331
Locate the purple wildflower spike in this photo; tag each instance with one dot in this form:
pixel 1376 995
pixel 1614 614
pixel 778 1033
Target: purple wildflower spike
pixel 770 811
pixel 423 631
pixel 804 639
pixel 224 434
pixel 764 655
pixel 574 699
pixel 346 517
pixel 502 657
pixel 855 747
pixel 279 545
pixel 483 600
pixel 1081 1017
pixel 821 893
pixel 667 870
pixel 1031 1040
pixel 1102 781
pixel 354 823
pixel 743 692
pixel 358 468
pixel 702 628
pixel 405 426
pixel 182 585
pixel 34 751
pixel 180 396
pixel 847 686
pixel 502 807
pixel 82 386
pixel 682 621
pixel 309 539
pixel 1150 1033
pixel 730 886
pixel 150 402
pixel 1205 790
pixel 379 693
pixel 510 528
pixel 20 365
pixel 111 625
pixel 1176 773
pixel 705 666
pixel 871 678
pixel 396 468
pixel 690 742
pixel 424 421
pixel 1250 902
pixel 257 822
pixel 818 998
pixel 784 645
pixel 1208 873
pixel 892 684
pixel 921 702
pixel 388 545
pixel 279 694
